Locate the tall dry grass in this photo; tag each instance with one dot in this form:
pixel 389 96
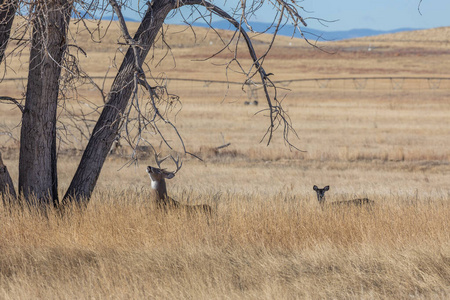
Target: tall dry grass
pixel 253 247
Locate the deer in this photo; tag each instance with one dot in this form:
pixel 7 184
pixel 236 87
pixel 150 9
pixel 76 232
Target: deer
pixel 354 202
pixel 158 178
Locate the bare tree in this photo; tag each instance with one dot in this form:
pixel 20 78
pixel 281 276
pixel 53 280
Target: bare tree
pixel 7 13
pixel 49 52
pixel 37 164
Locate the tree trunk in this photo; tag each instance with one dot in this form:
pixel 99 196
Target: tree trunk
pixel 106 129
pixel 7 13
pixel 37 164
pixel 6 184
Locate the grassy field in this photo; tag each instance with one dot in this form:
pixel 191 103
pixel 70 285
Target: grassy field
pixel 255 247
pixel 268 238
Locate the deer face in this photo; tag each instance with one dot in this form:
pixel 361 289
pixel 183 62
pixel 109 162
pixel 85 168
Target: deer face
pixel 158 175
pixel 321 193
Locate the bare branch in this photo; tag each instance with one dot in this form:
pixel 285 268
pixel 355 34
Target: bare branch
pixel 293 12
pixel 276 112
pixel 13 100
pixel 141 80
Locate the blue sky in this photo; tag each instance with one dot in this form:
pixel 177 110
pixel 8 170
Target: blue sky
pixel 356 14
pixel 381 14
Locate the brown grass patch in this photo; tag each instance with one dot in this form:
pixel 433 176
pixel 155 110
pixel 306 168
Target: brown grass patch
pixel 253 247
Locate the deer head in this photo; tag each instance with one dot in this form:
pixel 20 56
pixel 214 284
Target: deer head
pixel 321 193
pixel 158 177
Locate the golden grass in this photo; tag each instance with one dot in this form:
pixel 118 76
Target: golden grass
pixel 253 247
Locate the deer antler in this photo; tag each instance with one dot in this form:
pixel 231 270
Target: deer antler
pixel 159 161
pixel 178 163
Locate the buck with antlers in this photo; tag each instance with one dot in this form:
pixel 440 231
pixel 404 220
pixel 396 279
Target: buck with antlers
pixel 158 178
pixel 354 202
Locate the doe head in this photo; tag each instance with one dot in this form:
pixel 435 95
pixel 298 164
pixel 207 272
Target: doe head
pixel 321 193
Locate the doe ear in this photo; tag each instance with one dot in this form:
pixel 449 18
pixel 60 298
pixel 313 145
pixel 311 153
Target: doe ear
pixel 169 175
pixel 326 188
pixel 315 188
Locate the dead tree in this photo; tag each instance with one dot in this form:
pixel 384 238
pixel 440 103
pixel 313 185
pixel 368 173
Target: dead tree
pixel 49 54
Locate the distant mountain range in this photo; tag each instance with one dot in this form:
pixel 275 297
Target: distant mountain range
pixel 310 33
pixel 287 30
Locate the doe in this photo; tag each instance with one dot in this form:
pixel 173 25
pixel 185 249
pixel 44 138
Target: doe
pixel 354 202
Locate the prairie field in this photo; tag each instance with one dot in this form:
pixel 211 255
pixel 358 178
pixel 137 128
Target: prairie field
pixel 372 119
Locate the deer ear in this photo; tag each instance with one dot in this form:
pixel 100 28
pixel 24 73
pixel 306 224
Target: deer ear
pixel 315 188
pixel 326 188
pixel 169 176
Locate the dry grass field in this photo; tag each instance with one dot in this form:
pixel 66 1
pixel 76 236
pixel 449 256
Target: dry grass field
pixel 268 238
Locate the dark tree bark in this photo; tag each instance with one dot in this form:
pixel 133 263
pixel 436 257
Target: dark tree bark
pixel 106 129
pixel 37 164
pixel 7 13
pixel 6 184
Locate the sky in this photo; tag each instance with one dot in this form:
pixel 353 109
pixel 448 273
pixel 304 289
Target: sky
pixel 381 14
pixel 357 14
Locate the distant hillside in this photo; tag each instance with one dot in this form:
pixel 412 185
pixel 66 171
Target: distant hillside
pixel 310 33
pixel 427 36
pixel 287 30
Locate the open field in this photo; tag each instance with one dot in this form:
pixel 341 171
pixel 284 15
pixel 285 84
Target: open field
pixel 254 248
pixel 382 139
